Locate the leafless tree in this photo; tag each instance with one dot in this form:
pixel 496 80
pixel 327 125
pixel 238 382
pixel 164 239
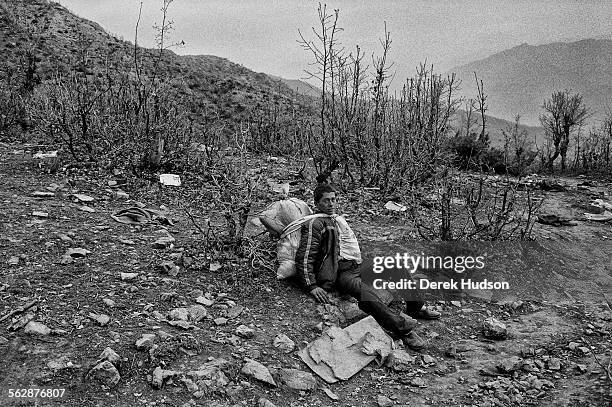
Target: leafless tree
pixel 564 113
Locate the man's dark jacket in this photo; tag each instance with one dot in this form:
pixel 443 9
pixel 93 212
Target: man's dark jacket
pixel 316 260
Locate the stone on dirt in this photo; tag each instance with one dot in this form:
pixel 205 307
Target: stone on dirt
pixel 101 319
pixel 128 276
pixel 163 242
pixel 235 311
pixel 110 355
pixel 331 394
pixel 428 359
pixel 36 328
pixel 384 401
pixel 106 373
pixel 145 341
pixel 190 385
pixel 197 313
pixel 159 375
pixel 220 321
pixel 509 365
pixel 245 332
pixel 494 329
pixel 108 302
pixel 284 343
pixel 263 402
pixel 83 197
pixel 418 382
pixel 400 360
pixel 178 314
pixel 554 364
pixel 256 370
pixel 207 302
pixel 168 267
pixel 297 379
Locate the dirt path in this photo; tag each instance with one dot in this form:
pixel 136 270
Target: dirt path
pixel 559 321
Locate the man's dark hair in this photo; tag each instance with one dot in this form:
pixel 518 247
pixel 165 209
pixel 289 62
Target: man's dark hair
pixel 322 189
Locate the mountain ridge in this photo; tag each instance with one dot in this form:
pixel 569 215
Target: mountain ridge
pixel 519 79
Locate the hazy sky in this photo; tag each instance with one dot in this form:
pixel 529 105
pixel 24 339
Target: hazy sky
pixel 262 34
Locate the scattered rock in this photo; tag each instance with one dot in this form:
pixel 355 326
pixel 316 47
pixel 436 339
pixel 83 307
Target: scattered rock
pixel 119 194
pixel 456 303
pixel 110 355
pixel 159 375
pixel 40 214
pixel 584 350
pixel 554 364
pixel 256 370
pixel 214 266
pixel 395 207
pixel 297 379
pixel 108 302
pixel 59 363
pixel 164 242
pixel 400 361
pixel 101 319
pixel 263 402
pixel 428 359
pixel 181 324
pixel 145 342
pixel 509 365
pixel 418 382
pixel 384 401
pixel 168 267
pixel 235 311
pixel 284 343
pixel 492 328
pixel 36 328
pixel 106 373
pixel 42 194
pixel 83 197
pixel 330 394
pixel 220 321
pixel 207 302
pixel 65 238
pixel 244 331
pixel 86 208
pixel 190 385
pixel 128 276
pixel 178 314
pixel 197 313
pixel 13 261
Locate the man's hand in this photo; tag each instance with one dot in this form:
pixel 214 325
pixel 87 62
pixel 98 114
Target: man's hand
pixel 320 295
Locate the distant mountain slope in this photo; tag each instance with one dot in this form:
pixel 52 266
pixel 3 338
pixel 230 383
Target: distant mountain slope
pixel 299 86
pixel 518 80
pixel 495 128
pixel 62 41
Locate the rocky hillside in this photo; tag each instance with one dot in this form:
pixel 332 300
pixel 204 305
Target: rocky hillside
pixel 61 41
pixel 518 80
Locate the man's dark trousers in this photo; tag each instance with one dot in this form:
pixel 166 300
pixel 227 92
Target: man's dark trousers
pixel 349 282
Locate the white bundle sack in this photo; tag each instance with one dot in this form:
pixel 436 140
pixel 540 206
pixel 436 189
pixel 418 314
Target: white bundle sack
pixel 290 241
pixel 280 214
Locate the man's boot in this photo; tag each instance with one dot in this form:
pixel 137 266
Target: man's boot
pixel 413 341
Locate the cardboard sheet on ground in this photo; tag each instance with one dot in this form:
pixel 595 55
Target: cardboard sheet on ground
pixel 341 353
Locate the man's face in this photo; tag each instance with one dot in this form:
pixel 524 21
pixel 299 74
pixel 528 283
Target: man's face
pixel 327 203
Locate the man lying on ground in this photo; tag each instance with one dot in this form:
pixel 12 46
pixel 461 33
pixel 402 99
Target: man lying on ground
pixel 323 264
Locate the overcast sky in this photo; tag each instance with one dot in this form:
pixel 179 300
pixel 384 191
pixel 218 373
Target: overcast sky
pixel 262 34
